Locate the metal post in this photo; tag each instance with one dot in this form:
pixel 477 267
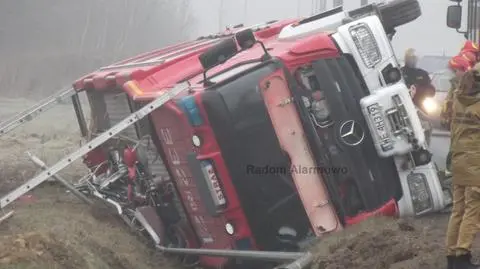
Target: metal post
pixel 274 256
pixel 6 216
pixel 82 123
pixel 477 22
pixel 300 263
pixel 62 181
pixel 469 19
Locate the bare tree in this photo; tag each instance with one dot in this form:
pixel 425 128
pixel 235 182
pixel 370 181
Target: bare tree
pixel 323 5
pixel 45 44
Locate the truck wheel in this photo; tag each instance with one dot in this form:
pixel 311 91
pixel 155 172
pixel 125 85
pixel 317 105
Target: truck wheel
pixel 399 12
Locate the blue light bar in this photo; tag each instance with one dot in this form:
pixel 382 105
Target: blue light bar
pixel 189 106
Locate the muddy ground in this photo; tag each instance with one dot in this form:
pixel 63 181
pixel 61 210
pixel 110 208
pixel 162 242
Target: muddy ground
pixel 52 229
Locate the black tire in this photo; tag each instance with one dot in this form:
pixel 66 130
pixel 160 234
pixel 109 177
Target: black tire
pixel 399 12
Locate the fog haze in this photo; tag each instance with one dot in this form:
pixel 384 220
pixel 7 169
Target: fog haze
pixel 428 34
pixel 47 44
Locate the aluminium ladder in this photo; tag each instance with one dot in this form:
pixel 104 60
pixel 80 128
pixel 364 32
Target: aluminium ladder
pixel 91 145
pixel 35 110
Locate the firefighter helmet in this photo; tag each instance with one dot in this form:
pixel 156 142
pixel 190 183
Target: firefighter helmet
pixel 459 63
pixel 471 47
pixel 470 56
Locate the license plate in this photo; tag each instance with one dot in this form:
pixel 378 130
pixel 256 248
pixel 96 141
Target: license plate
pixel 213 184
pixel 379 122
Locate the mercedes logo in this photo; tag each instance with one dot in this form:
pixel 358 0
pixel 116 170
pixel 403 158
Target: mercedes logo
pixel 351 133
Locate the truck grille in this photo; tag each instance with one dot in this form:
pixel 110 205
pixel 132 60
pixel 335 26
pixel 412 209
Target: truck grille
pixel 398 118
pixel 374 177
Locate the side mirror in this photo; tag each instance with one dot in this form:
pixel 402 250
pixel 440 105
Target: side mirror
pixel 245 39
pixel 218 54
pixel 454 17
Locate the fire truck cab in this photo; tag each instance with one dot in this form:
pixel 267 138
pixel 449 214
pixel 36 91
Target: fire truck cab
pixel 288 130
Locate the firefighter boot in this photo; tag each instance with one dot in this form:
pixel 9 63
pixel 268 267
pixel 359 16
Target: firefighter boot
pixel 464 262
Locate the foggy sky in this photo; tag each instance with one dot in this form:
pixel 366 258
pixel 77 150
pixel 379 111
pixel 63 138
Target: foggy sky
pixel 428 34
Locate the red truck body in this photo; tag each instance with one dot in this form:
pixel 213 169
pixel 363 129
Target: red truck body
pixel 147 76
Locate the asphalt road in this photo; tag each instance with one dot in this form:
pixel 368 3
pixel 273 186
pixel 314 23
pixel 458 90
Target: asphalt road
pixel 439 146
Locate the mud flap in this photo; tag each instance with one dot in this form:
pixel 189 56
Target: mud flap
pixel 148 218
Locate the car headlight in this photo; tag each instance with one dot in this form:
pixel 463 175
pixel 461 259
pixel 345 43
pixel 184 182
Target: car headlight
pixel 420 193
pixel 366 44
pixel 430 105
pixel 229 228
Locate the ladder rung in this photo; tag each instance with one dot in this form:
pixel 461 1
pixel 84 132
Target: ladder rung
pixel 99 140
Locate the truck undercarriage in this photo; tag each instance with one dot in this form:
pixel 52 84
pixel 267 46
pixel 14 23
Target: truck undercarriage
pixel 181 169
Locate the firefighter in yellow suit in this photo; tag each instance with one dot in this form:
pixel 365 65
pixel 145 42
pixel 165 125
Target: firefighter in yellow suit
pixel 458 65
pixel 465 146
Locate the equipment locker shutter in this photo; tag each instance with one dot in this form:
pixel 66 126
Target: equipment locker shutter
pixel 118 108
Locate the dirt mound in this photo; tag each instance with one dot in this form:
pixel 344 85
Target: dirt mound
pixel 53 229
pixel 383 243
pixel 43 250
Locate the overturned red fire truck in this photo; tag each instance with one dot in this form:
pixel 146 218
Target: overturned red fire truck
pixel 249 144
